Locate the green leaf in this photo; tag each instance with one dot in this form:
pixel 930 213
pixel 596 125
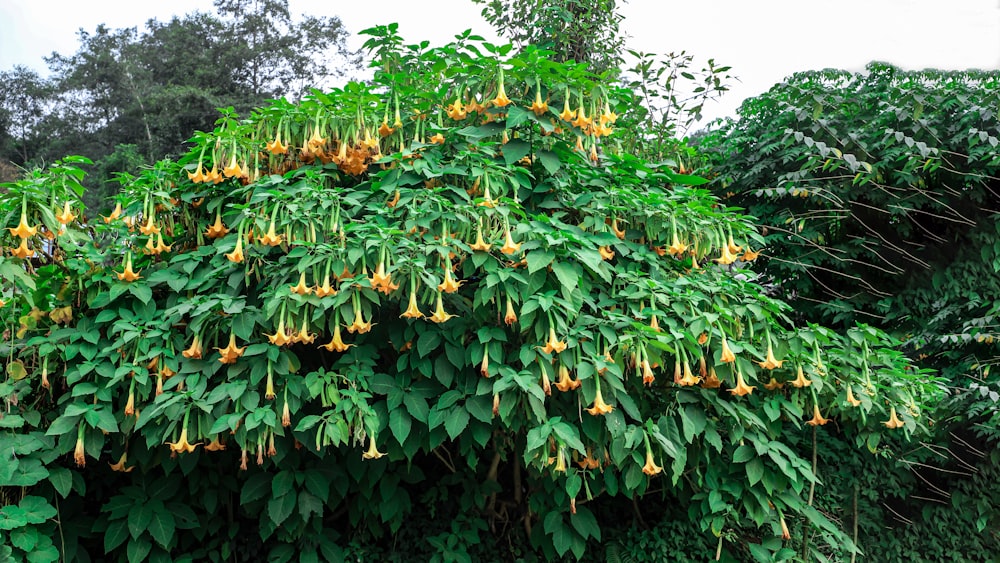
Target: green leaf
pixel 283 483
pixel 567 274
pixel 744 454
pixel 61 479
pixel 516 115
pixel 138 518
pixel 515 150
pixel 428 342
pixel 538 259
pixel 456 422
pixel 755 471
pixel 400 423
pixel 549 160
pixel 141 291
pixel 138 549
pixel 280 508
pixel 116 534
pixel 161 527
pixel 417 407
pixel 12 517
pixel 255 488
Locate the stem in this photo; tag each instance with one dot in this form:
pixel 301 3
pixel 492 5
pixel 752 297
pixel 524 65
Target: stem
pixel 854 553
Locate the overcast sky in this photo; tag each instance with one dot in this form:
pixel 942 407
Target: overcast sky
pixel 763 40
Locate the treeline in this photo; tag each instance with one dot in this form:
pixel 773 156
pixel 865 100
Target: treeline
pixel 129 97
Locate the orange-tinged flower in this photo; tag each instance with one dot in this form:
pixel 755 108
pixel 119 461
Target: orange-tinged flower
pixel 115 213
pixel 689 378
pixel 893 422
pixel 480 244
pixel 727 257
pixel 817 419
pixel 712 381
pixel 22 251
pixel 160 245
pixel 582 121
pixel 501 100
pixel 538 106
pixel 66 217
pixel 412 311
pixel 456 111
pixel 509 246
pixel 770 362
pixel 647 372
pixel 301 288
pixel 439 315
pixel 800 380
pixel 553 344
pixel 271 238
pixel 230 353
pixel 233 170
pixel 382 281
pixel 22 230
pixel 236 256
pixel 651 468
pixel 851 399
pixel 128 275
pixel 449 285
pixel 510 317
pixel 150 227
pixel 733 247
pixel 326 289
pixel 269 393
pixel 213 175
pixel 565 383
pixel 606 252
pixel 676 248
pixel 741 388
pixel 392 202
pixel 286 413
pixel 359 325
pixel 336 344
pixel 785 534
pixel 304 336
pixel 600 407
pixel 372 452
pixel 484 366
pixel 619 232
pixel 276 147
pixel 218 229
pixel 750 256
pixel 773 385
pixel 216 445
pixel 384 130
pixel 727 355
pixel 194 351
pixel 437 139
pixel 121 465
pixel 567 114
pixel 280 337
pixel 198 176
pixel 182 445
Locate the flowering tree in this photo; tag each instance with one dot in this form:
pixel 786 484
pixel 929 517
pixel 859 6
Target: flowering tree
pixel 443 293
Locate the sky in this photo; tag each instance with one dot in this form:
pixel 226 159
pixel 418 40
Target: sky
pixel 762 40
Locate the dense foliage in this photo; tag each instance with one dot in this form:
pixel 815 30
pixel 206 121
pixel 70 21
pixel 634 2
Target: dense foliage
pixel 878 197
pixel 438 316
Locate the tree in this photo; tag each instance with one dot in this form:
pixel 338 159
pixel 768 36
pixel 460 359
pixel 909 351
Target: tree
pixel 24 99
pixel 431 307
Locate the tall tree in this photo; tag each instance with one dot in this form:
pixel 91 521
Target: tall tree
pixel 24 99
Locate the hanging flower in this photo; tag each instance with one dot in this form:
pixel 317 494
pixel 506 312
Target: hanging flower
pixel 412 311
pixel 539 106
pixel 198 176
pixel 218 229
pixel 817 419
pixel 773 385
pixel 230 353
pixel 372 452
pixel 606 252
pixel 381 281
pixel 116 213
pixel 271 238
pixel 651 468
pixel 280 337
pixel 800 380
pixel 689 379
pixel 66 217
pixel 128 275
pixel 510 317
pixel 480 244
pixel 770 362
pixel 439 315
pixel 712 381
pixel 23 231
pixel 749 256
pixel 304 336
pixel 553 344
pixel 456 111
pixel 600 407
pixel 509 246
pixel 359 325
pixel 80 452
pixel 236 256
pixel 120 467
pixel 216 445
pixel 567 114
pixel 194 351
pixel 160 245
pixel 301 288
pixel 276 147
pixel 326 289
pixel 893 422
pixel 851 399
pixel 336 344
pixel 565 383
pixel 182 445
pixel 22 251
pixel 727 257
pixel 449 285
pixel 741 388
pixel 727 355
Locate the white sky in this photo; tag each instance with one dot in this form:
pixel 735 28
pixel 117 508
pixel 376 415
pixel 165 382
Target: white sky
pixel 763 40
